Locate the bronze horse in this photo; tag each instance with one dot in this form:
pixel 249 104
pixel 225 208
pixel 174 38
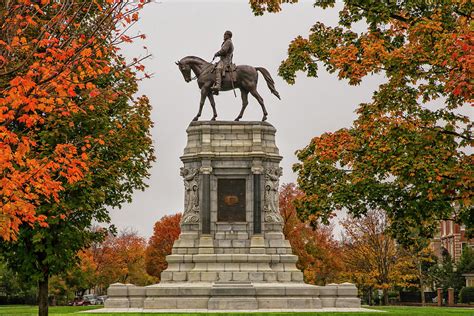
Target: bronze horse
pixel 246 80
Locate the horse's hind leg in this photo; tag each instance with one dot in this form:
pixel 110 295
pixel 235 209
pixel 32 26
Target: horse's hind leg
pixel 245 102
pixel 204 93
pixel 213 104
pixel 260 101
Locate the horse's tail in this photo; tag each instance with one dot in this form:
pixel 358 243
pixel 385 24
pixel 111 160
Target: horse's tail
pixel 269 80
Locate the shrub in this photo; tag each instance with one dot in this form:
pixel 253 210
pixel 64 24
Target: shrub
pixel 467 294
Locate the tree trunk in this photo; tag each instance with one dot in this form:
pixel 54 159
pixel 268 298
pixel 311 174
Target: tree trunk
pixel 422 290
pixel 385 297
pixel 43 296
pixel 370 296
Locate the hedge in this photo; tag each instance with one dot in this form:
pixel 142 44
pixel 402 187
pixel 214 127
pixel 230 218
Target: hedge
pixel 466 295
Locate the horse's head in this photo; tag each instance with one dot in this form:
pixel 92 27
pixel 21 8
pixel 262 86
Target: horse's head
pixel 185 70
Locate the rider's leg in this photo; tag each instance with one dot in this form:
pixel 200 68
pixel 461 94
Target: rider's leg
pixel 217 85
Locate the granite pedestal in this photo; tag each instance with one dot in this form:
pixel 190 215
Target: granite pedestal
pixel 231 254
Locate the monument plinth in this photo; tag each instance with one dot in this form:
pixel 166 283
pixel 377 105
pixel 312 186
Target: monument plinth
pixel 231 253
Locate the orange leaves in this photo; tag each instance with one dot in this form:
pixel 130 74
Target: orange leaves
pixel 28 179
pixel 92 94
pixel 121 259
pixel 318 253
pixel 355 60
pixel 165 232
pixel 53 58
pixel 330 146
pixel 86 52
pixel 461 47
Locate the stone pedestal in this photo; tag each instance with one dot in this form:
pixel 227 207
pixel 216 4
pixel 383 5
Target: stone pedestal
pixel 232 254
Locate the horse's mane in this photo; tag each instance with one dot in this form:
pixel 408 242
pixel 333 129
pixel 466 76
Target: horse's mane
pixel 195 58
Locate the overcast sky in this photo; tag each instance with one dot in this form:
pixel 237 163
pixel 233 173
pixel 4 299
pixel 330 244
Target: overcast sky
pixel 176 29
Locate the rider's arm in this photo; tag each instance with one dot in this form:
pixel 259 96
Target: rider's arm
pixel 224 49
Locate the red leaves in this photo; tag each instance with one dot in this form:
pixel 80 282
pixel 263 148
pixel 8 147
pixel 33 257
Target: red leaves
pixel 126 38
pixel 94 93
pixel 318 253
pixel 71 92
pixel 165 232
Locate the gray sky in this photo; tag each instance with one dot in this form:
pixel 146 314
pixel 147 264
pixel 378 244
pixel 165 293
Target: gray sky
pixel 176 29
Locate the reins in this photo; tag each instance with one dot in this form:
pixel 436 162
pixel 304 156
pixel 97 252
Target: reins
pixel 196 76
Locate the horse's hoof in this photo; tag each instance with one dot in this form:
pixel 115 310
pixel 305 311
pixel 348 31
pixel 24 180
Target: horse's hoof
pixel 213 118
pixel 195 118
pixel 237 119
pixel 264 118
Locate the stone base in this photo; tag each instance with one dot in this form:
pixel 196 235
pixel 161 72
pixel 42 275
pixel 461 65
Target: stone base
pixel 234 296
pixel 221 262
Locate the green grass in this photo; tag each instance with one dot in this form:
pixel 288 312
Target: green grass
pixel 33 310
pixel 16 310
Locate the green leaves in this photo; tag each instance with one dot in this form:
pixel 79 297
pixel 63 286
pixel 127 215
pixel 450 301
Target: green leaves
pixel 106 134
pixel 406 152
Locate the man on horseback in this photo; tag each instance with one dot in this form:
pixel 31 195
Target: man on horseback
pixel 225 54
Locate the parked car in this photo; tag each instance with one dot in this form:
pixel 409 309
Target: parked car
pixel 102 299
pixel 79 301
pixel 90 299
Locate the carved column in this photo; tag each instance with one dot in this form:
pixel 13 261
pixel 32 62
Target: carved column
pixel 257 198
pixel 206 199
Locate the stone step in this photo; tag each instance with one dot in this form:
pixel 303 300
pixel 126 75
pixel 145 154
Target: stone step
pixel 233 289
pixel 232 296
pixel 212 276
pixel 234 258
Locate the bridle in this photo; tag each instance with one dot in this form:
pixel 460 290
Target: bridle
pixel 196 76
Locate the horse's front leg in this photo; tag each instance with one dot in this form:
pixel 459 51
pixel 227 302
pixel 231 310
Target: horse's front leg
pixel 204 93
pixel 213 104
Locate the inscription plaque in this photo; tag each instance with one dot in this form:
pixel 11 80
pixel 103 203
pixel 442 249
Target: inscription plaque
pixel 231 200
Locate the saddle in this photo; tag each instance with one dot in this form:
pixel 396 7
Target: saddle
pixel 228 70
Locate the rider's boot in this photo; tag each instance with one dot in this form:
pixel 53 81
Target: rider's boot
pixel 217 86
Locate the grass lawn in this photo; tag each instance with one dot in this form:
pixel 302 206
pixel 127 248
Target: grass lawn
pixel 17 310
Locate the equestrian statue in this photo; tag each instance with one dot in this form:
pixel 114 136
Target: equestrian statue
pixel 225 76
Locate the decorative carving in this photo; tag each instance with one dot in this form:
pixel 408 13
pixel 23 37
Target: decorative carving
pixel 205 170
pixel 270 207
pixel 191 197
pixel 257 169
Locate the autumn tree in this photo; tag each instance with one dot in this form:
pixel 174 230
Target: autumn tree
pixel 319 256
pixel 121 259
pixel 420 259
pixel 165 232
pixel 74 138
pixel 371 255
pixel 405 153
pixel 81 277
pixel 75 281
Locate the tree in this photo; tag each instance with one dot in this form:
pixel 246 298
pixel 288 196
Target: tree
pixel 445 274
pixel 165 232
pixel 466 262
pixel 371 256
pixel 319 256
pixel 73 138
pixel 81 277
pixel 121 259
pixel 405 153
pixel 13 290
pixel 420 259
